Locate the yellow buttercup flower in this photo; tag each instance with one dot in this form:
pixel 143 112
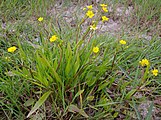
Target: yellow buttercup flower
pixel 104 9
pixel 155 72
pixel 90 13
pixel 103 5
pixel 93 27
pixel 12 49
pixel 53 38
pixel 40 19
pixel 123 42
pixel 96 49
pixel 90 7
pixel 144 62
pixel 104 18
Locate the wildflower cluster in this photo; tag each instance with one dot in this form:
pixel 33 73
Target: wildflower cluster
pixel 90 13
pixel 145 62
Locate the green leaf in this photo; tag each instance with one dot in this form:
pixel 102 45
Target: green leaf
pixel 78 93
pixel 90 78
pixel 77 64
pixel 106 104
pixel 55 63
pixel 150 110
pixel 69 59
pixel 29 102
pixel 58 79
pixel 68 66
pixel 129 94
pixel 38 84
pixel 136 110
pixel 39 103
pixel 90 98
pixel 103 85
pixel 74 109
pixel 21 51
pixel 92 107
pixel 115 114
pixel 49 77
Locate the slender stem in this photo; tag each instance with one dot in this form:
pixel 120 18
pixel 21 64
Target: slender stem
pixel 113 62
pixel 61 51
pixel 86 33
pixel 78 29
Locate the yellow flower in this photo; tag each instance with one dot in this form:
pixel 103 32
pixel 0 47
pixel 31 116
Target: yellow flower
pixel 93 27
pixel 90 13
pixel 12 49
pixel 144 62
pixel 104 18
pixel 104 9
pixel 53 38
pixel 103 5
pixel 123 42
pixel 95 49
pixel 90 7
pixel 40 19
pixel 155 72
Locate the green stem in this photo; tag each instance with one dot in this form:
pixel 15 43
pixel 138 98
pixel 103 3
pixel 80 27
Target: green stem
pixel 61 51
pixel 78 29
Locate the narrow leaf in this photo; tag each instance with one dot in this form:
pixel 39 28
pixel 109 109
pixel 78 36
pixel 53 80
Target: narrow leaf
pixel 78 93
pixel 73 108
pixel 103 85
pixel 57 77
pixel 39 103
pixel 136 110
pixel 106 104
pixel 150 110
pixel 129 94
pixel 29 102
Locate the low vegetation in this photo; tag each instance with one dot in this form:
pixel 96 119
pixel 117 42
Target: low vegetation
pixel 50 70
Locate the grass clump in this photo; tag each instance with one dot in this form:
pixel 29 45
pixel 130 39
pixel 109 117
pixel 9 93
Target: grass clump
pixel 77 74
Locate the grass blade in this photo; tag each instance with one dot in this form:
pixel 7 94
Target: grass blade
pixel 39 103
pixel 150 110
